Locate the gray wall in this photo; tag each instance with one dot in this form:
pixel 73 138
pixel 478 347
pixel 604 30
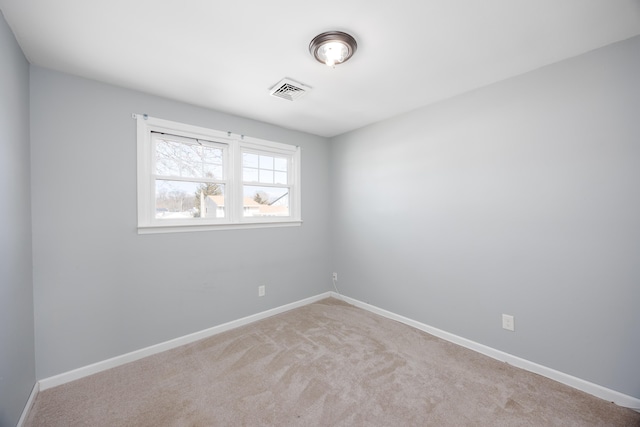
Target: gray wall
pixel 518 198
pixel 17 364
pixel 101 289
pixel 521 198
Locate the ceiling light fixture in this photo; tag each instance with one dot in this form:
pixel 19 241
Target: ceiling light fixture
pixel 333 47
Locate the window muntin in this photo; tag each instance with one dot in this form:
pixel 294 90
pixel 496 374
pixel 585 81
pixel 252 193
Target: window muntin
pixel 192 178
pixel 265 169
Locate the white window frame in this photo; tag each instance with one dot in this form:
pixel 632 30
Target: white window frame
pixel 233 145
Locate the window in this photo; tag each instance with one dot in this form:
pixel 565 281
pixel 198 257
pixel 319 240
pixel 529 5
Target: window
pixel 266 178
pixel 192 178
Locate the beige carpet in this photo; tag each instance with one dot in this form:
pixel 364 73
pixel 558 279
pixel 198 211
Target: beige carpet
pixel 325 364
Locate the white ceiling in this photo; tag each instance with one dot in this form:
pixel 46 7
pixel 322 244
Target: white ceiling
pixel 225 55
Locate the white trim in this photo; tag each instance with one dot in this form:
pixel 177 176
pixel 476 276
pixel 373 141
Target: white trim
pixel 208 227
pixel 27 408
pixel 295 180
pixel 577 383
pixel 604 393
pixel 232 145
pixel 143 168
pixel 257 146
pixel 236 194
pixel 94 368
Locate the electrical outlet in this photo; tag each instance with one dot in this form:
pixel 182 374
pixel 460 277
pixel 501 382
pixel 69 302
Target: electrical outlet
pixel 508 322
pixel 261 290
pixel 335 277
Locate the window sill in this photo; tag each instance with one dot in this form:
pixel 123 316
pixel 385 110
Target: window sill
pixel 156 229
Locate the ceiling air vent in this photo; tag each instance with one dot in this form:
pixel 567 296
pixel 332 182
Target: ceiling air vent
pixel 289 89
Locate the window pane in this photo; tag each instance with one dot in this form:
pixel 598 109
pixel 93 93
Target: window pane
pixel 180 200
pixel 213 201
pixel 250 160
pixel 211 154
pixel 265 201
pixel 266 162
pixel 281 178
pixel 250 175
pixel 265 169
pixel 280 164
pixel 188 160
pixel 266 176
pixel 213 171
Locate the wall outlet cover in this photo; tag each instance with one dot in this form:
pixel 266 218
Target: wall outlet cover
pixel 508 322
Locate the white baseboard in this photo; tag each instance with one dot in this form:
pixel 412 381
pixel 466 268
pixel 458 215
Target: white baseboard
pixel 616 397
pixel 94 368
pixel 27 408
pixel 577 383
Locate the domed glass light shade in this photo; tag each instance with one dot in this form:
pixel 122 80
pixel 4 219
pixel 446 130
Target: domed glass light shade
pixel 333 47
